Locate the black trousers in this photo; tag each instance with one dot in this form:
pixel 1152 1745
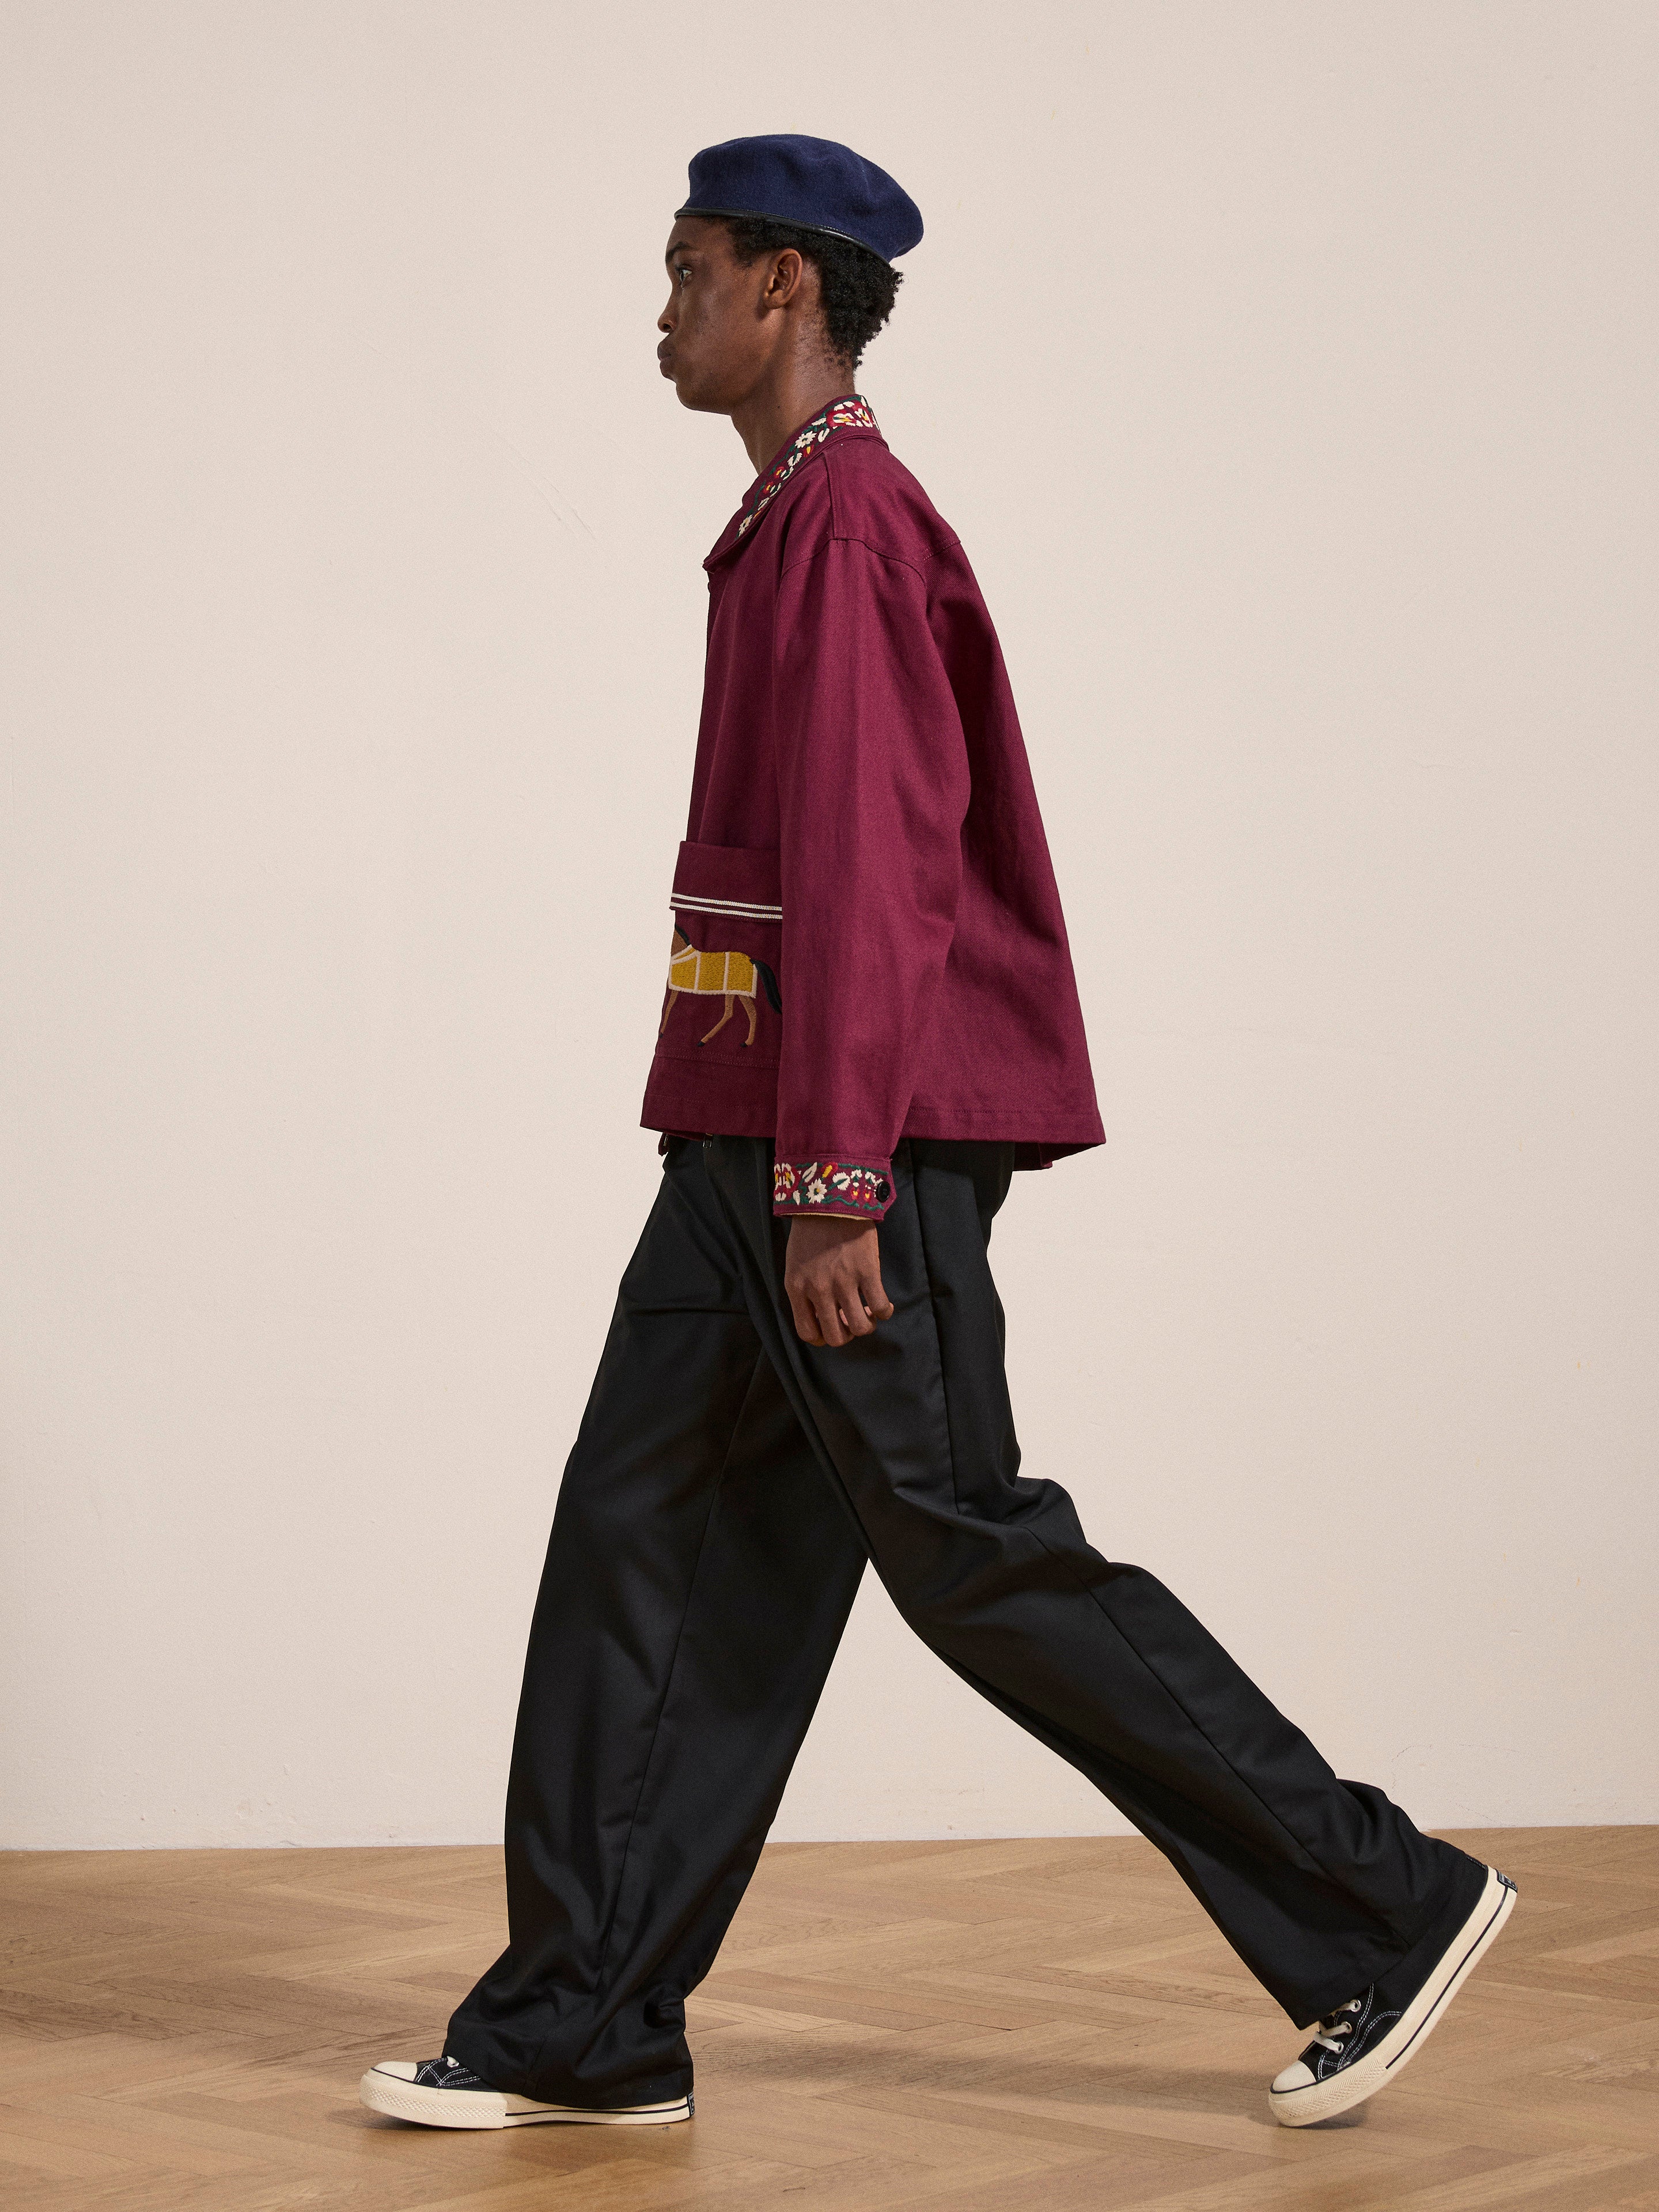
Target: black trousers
pixel 727 1484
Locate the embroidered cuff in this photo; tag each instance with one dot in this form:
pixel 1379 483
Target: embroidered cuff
pixel 831 1187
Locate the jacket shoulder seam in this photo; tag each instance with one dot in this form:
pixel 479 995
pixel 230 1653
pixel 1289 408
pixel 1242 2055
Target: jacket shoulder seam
pixel 947 539
pixel 850 538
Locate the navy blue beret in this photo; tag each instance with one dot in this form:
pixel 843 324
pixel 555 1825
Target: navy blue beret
pixel 810 181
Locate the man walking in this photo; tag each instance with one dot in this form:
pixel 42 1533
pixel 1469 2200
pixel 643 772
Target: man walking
pixel 869 1025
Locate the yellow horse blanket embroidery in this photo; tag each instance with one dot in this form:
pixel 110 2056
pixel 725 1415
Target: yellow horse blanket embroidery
pixel 728 975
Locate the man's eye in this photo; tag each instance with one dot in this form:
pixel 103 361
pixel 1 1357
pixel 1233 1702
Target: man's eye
pixel 682 271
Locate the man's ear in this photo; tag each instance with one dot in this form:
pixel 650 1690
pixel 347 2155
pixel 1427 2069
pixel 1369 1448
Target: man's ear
pixel 788 269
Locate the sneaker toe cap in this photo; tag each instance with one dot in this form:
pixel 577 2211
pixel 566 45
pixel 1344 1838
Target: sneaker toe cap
pixel 400 2069
pixel 1295 2076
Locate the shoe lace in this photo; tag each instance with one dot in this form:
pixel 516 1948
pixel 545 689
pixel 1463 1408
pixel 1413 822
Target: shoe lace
pixel 1334 2027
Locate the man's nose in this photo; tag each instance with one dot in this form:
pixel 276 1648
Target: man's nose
pixel 666 320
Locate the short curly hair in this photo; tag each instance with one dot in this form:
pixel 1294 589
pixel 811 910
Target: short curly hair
pixel 857 286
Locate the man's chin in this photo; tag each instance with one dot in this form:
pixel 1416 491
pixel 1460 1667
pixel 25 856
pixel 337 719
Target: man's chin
pixel 698 395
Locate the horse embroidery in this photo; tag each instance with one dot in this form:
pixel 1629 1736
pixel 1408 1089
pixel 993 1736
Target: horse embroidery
pixel 728 975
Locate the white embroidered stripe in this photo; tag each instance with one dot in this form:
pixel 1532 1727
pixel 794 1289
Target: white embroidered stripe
pixel 743 908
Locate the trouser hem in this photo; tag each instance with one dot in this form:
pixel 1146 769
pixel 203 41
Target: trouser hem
pixel 1451 1906
pixel 553 2088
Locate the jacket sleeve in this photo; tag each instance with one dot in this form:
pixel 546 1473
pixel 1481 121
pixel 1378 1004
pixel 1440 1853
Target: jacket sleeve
pixel 872 788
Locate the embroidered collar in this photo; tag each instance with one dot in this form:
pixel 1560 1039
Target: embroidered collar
pixel 850 413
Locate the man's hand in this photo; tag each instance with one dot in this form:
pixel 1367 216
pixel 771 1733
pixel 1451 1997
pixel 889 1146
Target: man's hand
pixel 832 1272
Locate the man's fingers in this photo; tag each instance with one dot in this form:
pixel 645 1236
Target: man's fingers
pixel 832 1279
pixel 806 1321
pixel 833 1299
pixel 847 1278
pixel 826 1305
pixel 877 1303
pixel 814 1306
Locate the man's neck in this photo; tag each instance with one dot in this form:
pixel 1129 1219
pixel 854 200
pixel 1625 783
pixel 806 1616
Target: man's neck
pixel 781 402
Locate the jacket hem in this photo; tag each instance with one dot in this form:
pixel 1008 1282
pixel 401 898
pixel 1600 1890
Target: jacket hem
pixel 1039 1138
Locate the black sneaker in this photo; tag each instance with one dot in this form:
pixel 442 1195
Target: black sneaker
pixel 1361 2046
pixel 442 2093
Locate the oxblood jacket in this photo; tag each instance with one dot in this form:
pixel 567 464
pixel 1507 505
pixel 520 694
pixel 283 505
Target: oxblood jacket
pixel 868 943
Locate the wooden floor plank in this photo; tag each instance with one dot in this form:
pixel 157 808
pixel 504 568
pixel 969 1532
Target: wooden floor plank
pixel 891 2028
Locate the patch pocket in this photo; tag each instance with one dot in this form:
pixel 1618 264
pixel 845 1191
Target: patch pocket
pixel 724 992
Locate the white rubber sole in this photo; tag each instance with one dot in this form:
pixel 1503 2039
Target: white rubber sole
pixel 390 2094
pixel 1322 2100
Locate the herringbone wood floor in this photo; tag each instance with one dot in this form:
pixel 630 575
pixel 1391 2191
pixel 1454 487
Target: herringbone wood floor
pixel 955 2025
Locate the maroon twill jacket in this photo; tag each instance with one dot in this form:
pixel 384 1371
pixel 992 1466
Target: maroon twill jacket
pixel 867 941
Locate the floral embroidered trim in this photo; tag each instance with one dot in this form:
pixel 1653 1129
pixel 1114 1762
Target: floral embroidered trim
pixel 849 414
pixel 834 1186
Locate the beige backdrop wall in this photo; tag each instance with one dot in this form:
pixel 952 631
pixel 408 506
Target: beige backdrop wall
pixel 1288 370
